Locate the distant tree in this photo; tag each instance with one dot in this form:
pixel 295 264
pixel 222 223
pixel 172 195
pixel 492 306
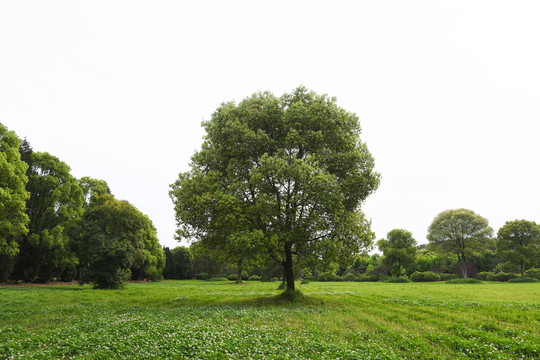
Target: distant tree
pixel 288 173
pixel 55 201
pixel 461 232
pixel 149 260
pixel 107 240
pixel 179 263
pixel 519 242
pixel 486 260
pixel 203 262
pixel 13 194
pixel 399 250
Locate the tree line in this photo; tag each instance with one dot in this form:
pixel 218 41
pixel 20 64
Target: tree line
pixel 56 227
pixel 513 252
pixel 276 191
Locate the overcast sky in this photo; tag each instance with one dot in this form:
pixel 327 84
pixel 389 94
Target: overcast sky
pixel 448 92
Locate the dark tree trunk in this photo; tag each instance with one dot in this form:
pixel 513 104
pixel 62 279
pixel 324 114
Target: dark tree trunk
pixel 239 276
pixel 522 269
pixel 288 269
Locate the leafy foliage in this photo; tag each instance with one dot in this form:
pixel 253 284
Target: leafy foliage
pixel 55 201
pixel 107 240
pixel 519 242
pixel 427 276
pixel 461 232
pixel 13 194
pixel 179 263
pixel 278 176
pixel 399 249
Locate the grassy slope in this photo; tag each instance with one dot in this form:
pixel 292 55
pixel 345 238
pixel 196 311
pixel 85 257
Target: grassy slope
pixel 195 319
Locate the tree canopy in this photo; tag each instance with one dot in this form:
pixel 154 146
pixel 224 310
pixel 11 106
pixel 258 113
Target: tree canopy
pixel 55 201
pixel 107 240
pixel 13 194
pixel 286 175
pixel 518 242
pixel 461 232
pixel 399 249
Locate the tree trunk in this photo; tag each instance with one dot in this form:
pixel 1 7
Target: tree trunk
pixel 288 269
pixel 522 269
pixel 239 276
pixel 463 266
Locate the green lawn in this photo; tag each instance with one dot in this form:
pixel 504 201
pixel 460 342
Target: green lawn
pixel 209 320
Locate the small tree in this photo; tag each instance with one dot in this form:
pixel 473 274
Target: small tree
pixel 106 240
pixel 399 249
pixel 461 232
pixel 519 242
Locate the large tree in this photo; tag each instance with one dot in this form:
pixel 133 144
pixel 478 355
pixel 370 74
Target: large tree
pixel 518 242
pixel 288 174
pixel 56 199
pixel 13 194
pixel 399 250
pixel 461 232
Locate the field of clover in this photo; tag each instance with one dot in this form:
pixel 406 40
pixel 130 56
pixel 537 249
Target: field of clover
pixel 222 320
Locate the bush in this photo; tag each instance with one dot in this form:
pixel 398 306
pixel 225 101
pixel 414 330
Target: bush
pixel 349 277
pixel 327 276
pixel 232 277
pixel 305 281
pixel 503 276
pixel 523 280
pixel 223 278
pixel 464 281
pixel 202 276
pixel 397 280
pixel 485 275
pixel 426 276
pixel 372 278
pixel 254 278
pixel 446 277
pixel 533 273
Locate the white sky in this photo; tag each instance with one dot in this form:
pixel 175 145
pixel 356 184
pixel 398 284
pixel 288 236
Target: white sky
pixel 448 92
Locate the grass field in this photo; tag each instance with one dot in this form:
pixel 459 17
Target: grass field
pixel 222 320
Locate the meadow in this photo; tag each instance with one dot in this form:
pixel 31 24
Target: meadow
pixel 222 320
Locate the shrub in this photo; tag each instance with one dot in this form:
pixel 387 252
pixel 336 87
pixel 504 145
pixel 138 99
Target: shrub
pixel 533 273
pixel 254 278
pixel 202 276
pixel 348 277
pixel 446 277
pixel 327 276
pixel 503 276
pixel 372 278
pixel 464 281
pixel 485 275
pixel 426 276
pixel 222 278
pixel 305 281
pixel 523 280
pixel 397 280
pixel 232 277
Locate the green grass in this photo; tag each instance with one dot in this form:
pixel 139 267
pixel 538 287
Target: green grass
pixel 222 320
